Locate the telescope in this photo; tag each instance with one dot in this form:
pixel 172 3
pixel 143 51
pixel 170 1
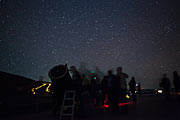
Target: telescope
pixel 60 77
pixel 58 72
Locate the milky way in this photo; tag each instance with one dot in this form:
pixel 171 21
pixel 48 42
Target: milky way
pixel 141 36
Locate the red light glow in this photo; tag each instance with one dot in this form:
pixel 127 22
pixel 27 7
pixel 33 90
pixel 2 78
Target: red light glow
pixel 120 104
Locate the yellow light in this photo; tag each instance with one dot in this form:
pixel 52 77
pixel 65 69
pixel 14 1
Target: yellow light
pixel 178 93
pixel 33 89
pixel 127 96
pixel 40 86
pixel 47 89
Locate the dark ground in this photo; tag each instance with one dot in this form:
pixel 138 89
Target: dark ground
pixel 148 107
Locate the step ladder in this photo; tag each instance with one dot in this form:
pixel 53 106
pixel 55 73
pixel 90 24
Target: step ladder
pixel 67 108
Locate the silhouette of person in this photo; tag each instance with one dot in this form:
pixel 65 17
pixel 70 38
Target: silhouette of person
pixel 77 81
pixel 123 87
pixel 84 94
pixel 99 95
pixel 132 87
pixel 165 84
pixel 77 84
pixel 93 88
pixel 85 82
pixel 104 88
pixel 112 86
pixel 176 82
pixel 139 88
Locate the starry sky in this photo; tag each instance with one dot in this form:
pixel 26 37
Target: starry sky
pixel 142 36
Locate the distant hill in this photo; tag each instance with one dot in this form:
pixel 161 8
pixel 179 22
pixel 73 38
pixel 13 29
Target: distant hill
pixel 11 84
pixel 16 93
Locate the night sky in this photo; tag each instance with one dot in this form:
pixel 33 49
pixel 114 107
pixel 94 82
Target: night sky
pixel 142 36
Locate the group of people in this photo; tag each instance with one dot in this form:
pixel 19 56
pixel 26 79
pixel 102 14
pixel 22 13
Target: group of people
pixel 115 86
pixel 112 88
pixel 166 84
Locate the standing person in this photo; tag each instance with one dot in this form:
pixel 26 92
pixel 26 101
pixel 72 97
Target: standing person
pixel 85 82
pixel 176 82
pixel 112 86
pixel 132 87
pixel 104 88
pixel 77 82
pixel 123 87
pixel 85 95
pixel 165 84
pixel 139 88
pixel 93 88
pixel 99 94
